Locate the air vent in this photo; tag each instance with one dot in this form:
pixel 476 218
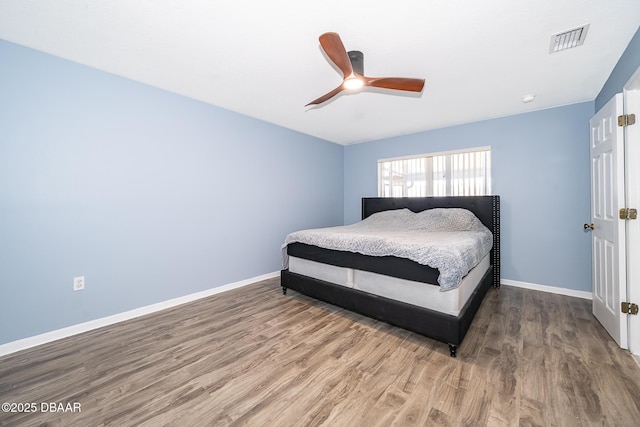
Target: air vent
pixel 568 39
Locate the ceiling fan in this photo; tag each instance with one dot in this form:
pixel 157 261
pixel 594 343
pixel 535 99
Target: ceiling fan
pixel 352 66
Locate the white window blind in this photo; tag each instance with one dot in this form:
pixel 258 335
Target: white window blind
pixel 459 173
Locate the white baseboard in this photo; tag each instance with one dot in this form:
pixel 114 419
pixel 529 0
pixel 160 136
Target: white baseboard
pixel 36 340
pixel 550 289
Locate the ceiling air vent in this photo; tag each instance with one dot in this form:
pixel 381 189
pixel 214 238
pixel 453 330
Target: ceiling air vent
pixel 568 39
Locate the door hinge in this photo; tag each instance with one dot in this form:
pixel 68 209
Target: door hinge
pixel 626 120
pixel 629 308
pixel 628 213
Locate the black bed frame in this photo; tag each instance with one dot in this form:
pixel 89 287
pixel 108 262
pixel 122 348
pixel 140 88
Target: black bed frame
pixel 433 324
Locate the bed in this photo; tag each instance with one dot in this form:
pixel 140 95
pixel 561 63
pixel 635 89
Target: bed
pixel 395 289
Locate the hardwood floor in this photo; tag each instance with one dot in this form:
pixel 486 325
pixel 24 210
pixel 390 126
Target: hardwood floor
pixel 253 356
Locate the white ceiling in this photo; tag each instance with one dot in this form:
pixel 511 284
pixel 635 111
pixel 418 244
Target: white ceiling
pixel 263 59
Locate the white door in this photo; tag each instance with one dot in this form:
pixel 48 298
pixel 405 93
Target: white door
pixel 632 182
pixel 608 233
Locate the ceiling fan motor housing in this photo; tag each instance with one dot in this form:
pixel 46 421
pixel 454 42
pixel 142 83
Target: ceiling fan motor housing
pixel 357 61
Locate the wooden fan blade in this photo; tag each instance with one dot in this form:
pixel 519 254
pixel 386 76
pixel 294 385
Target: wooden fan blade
pixel 398 83
pixel 326 96
pixel 333 47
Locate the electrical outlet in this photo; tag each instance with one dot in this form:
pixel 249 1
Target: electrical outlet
pixel 78 283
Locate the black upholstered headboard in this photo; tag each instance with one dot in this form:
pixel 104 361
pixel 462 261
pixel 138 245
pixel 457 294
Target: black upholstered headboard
pixel 486 208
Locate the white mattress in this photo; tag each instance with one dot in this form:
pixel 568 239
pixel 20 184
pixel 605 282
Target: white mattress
pixel 417 293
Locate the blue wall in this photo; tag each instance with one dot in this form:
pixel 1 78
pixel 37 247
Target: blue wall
pixel 540 170
pixel 628 63
pixel 149 195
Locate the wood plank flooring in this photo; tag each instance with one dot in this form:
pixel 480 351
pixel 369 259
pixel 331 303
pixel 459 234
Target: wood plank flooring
pixel 255 357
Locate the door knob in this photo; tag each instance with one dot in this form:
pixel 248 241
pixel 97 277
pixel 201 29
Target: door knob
pixel 589 227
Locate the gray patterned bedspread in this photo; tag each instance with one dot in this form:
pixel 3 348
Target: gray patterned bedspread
pixel 452 240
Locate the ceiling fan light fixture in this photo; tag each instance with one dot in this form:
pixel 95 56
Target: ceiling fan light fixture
pixel 353 83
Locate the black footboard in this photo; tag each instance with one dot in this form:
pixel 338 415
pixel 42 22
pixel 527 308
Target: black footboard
pixel 433 324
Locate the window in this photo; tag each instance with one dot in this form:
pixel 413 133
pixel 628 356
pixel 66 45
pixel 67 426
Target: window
pixel 452 173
